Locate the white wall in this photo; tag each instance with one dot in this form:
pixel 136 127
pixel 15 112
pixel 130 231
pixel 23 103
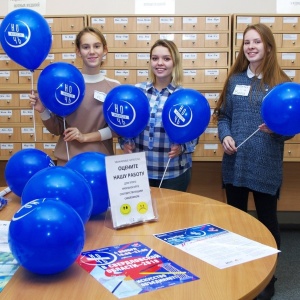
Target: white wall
pixel 119 7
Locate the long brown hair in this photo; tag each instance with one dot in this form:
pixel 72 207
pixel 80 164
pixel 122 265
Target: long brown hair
pixel 271 72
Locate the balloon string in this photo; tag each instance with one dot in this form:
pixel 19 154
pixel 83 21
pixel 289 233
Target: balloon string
pixel 33 113
pixel 164 173
pixel 67 147
pixel 247 138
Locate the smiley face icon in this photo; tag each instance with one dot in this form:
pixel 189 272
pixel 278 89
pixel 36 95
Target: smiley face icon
pixel 142 207
pixel 125 209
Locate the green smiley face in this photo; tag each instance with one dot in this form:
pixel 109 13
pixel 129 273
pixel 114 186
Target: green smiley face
pixel 125 209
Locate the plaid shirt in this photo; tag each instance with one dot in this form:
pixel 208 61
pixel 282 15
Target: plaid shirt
pixel 155 142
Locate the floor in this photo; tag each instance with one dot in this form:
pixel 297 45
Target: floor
pixel 287 286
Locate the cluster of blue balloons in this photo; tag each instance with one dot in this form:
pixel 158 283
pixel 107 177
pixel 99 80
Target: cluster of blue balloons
pixel 185 115
pixel 26 38
pixel 54 200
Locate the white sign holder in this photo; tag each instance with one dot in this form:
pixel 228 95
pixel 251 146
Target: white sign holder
pixel 129 190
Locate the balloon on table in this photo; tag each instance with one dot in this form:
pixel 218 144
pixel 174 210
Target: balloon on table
pixel 46 236
pixel 280 108
pixel 63 184
pixel 26 37
pixel 22 166
pixel 126 110
pixel 185 115
pixel 91 165
pixel 61 88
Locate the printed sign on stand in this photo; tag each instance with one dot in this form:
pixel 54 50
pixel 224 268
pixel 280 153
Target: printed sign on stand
pixel 129 190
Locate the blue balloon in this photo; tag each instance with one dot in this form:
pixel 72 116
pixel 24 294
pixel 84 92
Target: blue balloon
pixel 26 37
pixel 126 110
pixel 61 88
pixel 185 115
pixel 91 165
pixel 280 108
pixel 23 165
pixel 46 236
pixel 62 184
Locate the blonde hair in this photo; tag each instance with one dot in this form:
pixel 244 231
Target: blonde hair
pixel 177 73
pixel 272 74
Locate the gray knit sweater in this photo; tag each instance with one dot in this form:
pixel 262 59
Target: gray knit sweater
pixel 257 164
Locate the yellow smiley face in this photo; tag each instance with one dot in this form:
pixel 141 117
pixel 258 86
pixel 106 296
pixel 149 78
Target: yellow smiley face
pixel 125 209
pixel 142 207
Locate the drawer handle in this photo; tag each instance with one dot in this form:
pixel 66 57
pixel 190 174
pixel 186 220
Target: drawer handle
pixel 7 62
pixel 10 151
pixel 9 135
pixel 72 26
pixel 7 101
pixel 294 25
pixel 31 135
pixel 293 61
pixel 124 26
pixel 170 25
pixel 289 152
pixel 125 78
pixel 294 43
pixel 194 26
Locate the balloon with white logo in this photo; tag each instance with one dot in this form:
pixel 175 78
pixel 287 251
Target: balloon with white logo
pixel 26 37
pixel 126 110
pixel 61 88
pixel 185 115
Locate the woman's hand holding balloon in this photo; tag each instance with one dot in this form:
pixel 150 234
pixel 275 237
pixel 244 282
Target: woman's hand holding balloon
pixel 72 133
pixel 175 150
pixel 128 146
pixel 263 127
pixel 36 103
pixel 229 145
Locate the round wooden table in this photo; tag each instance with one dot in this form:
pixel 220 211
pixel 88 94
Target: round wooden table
pixel 176 210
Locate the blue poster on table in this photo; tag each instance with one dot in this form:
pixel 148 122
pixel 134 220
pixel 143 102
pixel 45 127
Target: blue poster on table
pixel 132 269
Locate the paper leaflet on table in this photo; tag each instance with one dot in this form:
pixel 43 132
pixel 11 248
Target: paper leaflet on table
pixel 216 246
pixel 129 190
pixel 132 269
pixel 8 264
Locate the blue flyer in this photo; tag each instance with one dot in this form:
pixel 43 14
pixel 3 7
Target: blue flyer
pixel 132 269
pixel 186 235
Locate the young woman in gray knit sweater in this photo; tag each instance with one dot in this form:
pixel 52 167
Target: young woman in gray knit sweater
pixel 255 166
pixel 86 128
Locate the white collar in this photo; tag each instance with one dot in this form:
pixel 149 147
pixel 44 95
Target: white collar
pixel 250 74
pixel 93 78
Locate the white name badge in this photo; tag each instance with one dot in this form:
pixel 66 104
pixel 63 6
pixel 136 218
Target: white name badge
pixel 241 90
pixel 100 96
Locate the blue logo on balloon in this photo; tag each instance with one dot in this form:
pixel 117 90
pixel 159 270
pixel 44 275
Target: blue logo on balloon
pixel 121 114
pixel 17 35
pixel 67 93
pixel 181 115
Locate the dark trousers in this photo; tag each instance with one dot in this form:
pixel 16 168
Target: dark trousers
pixel 265 204
pixel 179 183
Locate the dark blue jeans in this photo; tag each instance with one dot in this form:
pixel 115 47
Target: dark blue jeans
pixel 265 204
pixel 179 183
